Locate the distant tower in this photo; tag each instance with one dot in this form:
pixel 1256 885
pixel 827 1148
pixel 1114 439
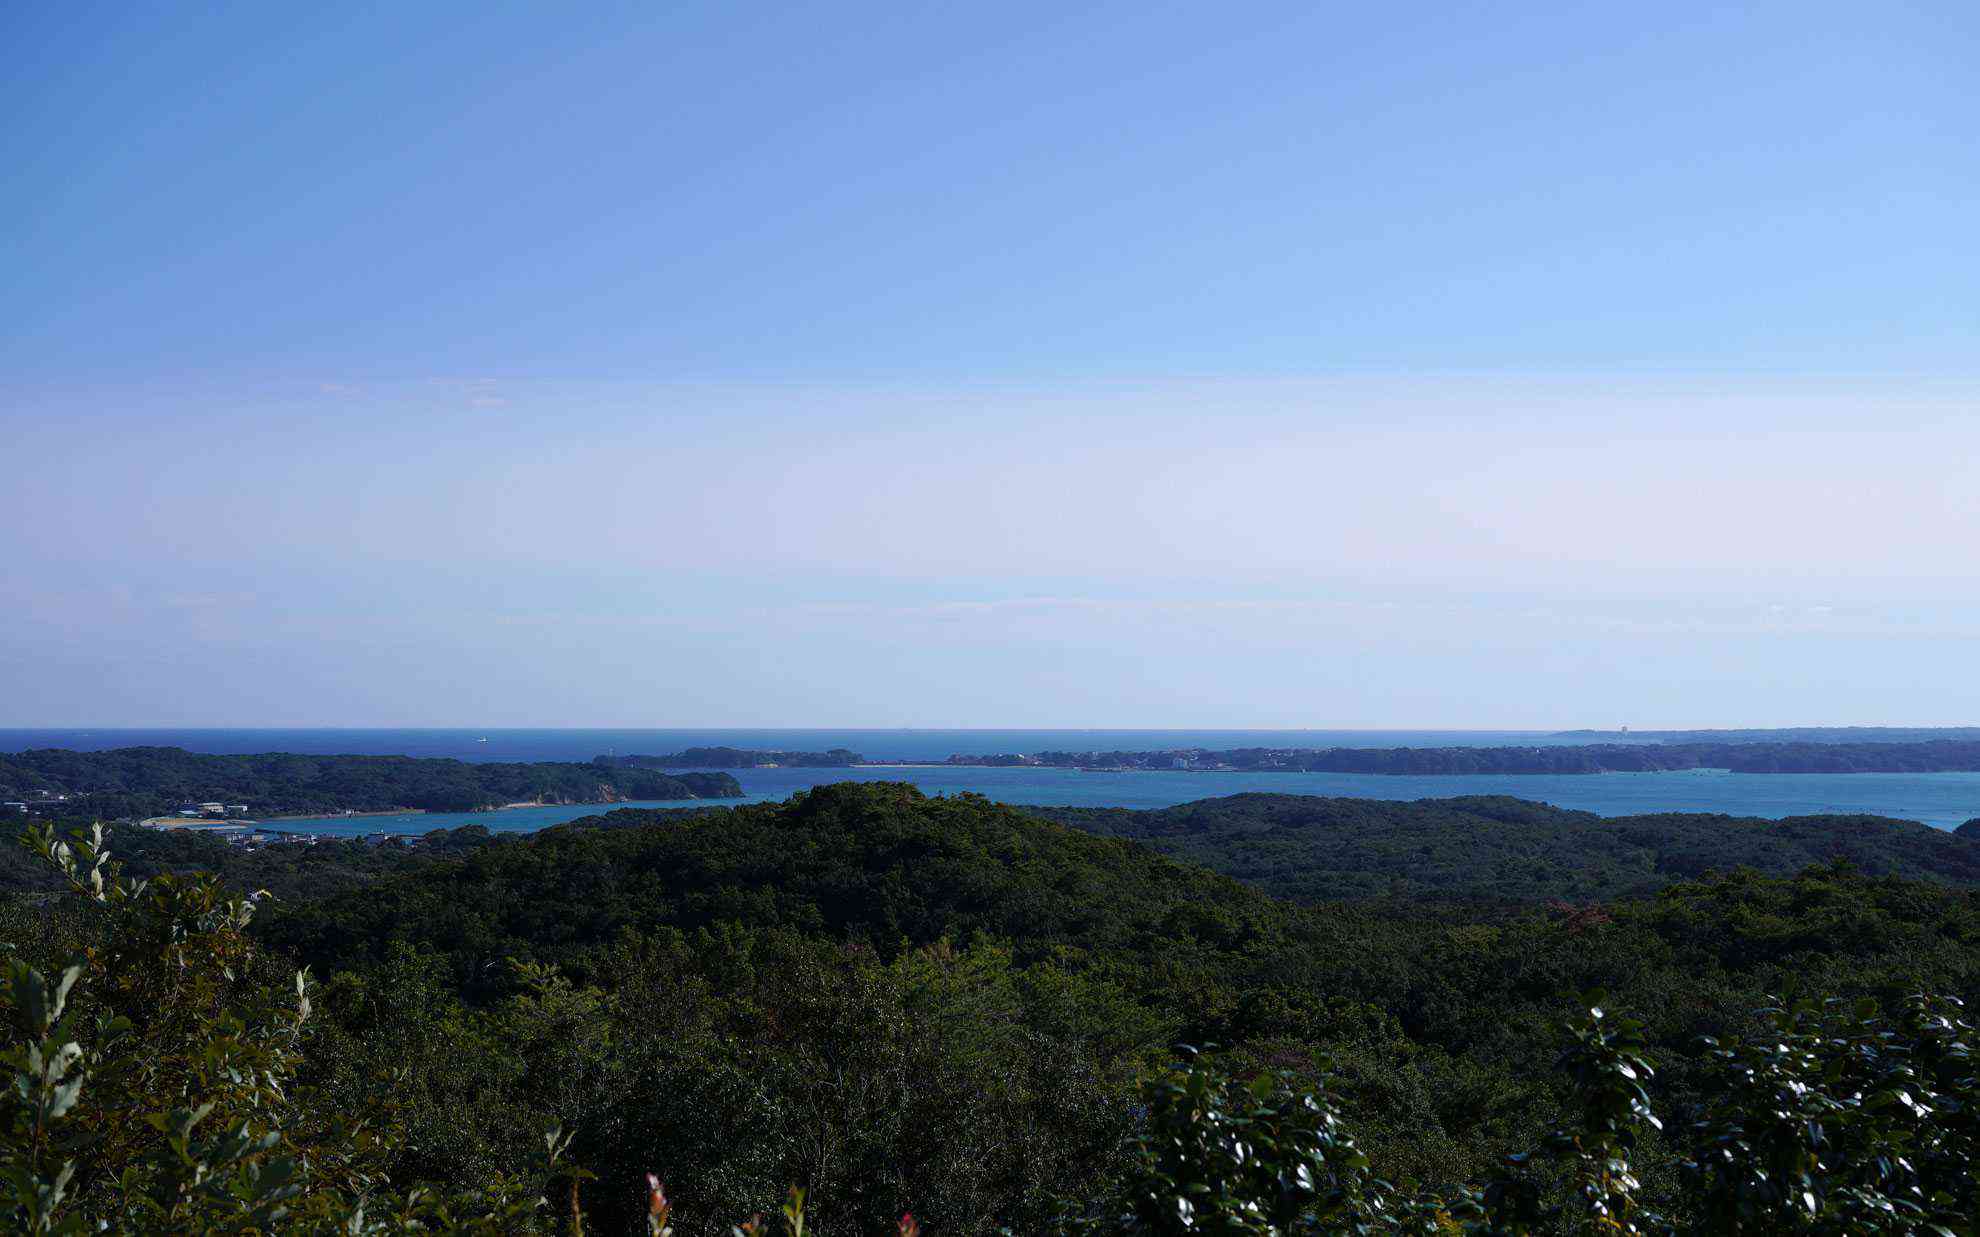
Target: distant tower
pixel 1625 730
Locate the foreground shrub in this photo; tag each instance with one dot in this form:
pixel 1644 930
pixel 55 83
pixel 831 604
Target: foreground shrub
pixel 159 1079
pixel 153 1079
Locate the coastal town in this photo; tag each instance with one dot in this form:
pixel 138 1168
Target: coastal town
pixel 227 822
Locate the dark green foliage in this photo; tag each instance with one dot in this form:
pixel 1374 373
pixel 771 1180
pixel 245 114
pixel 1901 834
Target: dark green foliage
pixel 1592 1157
pixel 289 872
pixel 877 863
pixel 1840 1120
pixel 1488 847
pixel 1827 1120
pixel 133 782
pixel 1438 1025
pixel 1219 1155
pixel 156 1067
pixel 951 1007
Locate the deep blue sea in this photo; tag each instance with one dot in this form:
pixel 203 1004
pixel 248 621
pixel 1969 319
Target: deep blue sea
pixel 1940 799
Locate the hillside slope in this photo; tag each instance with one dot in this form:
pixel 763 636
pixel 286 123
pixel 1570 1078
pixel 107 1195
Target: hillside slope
pixel 880 964
pixel 876 862
pixel 130 782
pixel 1487 847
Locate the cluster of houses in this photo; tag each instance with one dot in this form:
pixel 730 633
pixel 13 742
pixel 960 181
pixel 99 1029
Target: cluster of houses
pixel 39 796
pixel 250 836
pixel 212 811
pixel 246 835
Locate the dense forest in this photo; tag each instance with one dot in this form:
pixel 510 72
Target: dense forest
pixel 1492 848
pixel 1937 756
pixel 734 758
pixel 961 1010
pixel 1479 850
pixel 135 782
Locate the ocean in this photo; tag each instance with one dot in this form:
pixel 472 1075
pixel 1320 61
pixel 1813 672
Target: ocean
pixel 1943 800
pixel 583 744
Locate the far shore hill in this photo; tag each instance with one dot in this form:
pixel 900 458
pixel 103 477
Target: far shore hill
pixel 164 782
pixel 1748 751
pixel 137 783
pixel 1784 734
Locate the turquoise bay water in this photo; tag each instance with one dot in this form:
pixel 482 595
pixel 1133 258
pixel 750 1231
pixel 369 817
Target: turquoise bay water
pixel 1940 799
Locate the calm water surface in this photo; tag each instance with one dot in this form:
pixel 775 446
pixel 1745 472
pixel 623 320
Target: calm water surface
pixel 583 744
pixel 1940 799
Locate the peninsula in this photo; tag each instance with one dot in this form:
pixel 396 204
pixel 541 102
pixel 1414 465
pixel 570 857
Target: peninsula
pixel 132 783
pixel 1749 751
pixel 1935 756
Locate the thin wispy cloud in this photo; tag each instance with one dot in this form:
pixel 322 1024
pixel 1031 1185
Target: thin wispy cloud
pixel 1487 407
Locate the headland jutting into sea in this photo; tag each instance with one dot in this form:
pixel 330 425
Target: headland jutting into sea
pixel 1917 777
pixel 1739 756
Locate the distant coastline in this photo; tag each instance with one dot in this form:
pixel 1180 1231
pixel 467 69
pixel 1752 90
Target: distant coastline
pixel 1659 752
pixel 167 785
pixel 1752 756
pixel 198 823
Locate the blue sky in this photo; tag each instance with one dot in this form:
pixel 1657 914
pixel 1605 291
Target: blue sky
pixel 1181 365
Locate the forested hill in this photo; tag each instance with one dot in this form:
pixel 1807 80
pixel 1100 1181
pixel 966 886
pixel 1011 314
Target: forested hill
pixel 134 782
pixel 956 995
pixel 1315 849
pixel 1937 756
pixel 952 1007
pixel 874 862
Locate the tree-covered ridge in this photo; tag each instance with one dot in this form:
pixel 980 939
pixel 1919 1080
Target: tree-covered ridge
pixel 878 863
pixel 1440 1027
pixel 1313 848
pixel 734 758
pixel 134 782
pixel 951 1007
pixel 1752 756
pixel 1485 849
